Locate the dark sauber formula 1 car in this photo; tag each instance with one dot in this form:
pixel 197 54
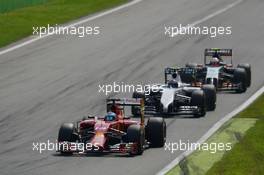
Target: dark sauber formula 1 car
pixel 175 97
pixel 218 70
pixel 114 132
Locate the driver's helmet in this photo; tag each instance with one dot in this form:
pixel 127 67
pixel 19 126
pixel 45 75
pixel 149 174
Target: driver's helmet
pixel 214 61
pixel 173 83
pixel 110 116
pixel 174 75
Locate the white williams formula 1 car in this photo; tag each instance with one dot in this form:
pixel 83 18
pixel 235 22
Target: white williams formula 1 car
pixel 175 97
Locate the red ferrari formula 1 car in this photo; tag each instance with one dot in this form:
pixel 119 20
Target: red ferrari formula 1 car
pixel 114 132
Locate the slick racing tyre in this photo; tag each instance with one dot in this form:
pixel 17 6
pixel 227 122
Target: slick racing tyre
pixel 136 135
pixel 67 134
pixel 156 132
pixel 247 67
pixel 240 77
pixel 198 99
pixel 210 96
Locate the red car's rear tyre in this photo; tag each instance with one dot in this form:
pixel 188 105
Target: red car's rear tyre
pixel 156 132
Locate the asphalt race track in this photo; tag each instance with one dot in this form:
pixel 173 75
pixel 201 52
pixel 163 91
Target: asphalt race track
pixel 55 80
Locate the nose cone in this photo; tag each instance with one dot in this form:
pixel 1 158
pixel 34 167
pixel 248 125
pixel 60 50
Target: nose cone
pixel 98 140
pixel 167 98
pixel 99 137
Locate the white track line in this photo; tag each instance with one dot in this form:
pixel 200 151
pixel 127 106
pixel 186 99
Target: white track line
pixel 216 13
pixel 70 25
pixel 217 125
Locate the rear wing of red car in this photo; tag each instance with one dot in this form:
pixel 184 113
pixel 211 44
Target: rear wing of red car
pixel 219 53
pixel 122 102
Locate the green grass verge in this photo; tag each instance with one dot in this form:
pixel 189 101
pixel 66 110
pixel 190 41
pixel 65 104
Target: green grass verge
pixel 199 162
pixel 9 5
pixel 247 157
pixel 256 110
pixel 18 24
pixel 246 133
